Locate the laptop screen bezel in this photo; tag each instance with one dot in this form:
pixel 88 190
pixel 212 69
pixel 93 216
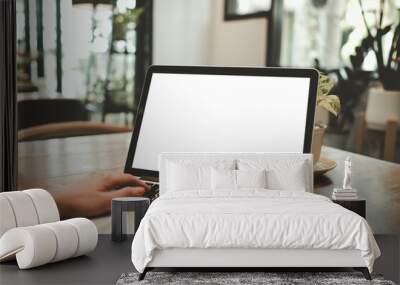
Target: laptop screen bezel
pixel 312 74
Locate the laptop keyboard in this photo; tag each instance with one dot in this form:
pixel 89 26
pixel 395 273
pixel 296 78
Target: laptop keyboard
pixel 153 193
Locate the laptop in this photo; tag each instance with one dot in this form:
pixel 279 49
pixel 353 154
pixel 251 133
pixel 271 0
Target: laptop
pixel 221 109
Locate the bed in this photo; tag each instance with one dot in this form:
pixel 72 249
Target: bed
pixel 244 211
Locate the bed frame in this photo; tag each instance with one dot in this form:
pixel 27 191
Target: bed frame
pixel 242 259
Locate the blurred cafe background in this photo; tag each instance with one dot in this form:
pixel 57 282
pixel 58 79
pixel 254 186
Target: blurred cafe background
pixel 81 63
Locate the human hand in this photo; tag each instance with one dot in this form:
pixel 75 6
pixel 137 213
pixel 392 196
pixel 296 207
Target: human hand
pixel 92 197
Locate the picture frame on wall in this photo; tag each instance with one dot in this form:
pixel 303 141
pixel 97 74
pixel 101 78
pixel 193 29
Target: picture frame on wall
pixel 271 10
pixel 239 9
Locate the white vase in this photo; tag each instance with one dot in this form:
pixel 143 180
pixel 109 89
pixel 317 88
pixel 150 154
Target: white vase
pixel 317 141
pixel 321 116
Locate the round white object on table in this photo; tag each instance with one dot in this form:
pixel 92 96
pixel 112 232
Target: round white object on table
pixel 23 208
pixel 32 246
pixel 67 239
pixel 87 235
pixel 45 205
pixel 7 220
pixel 40 244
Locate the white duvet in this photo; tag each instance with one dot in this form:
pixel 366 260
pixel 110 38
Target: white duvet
pixel 250 219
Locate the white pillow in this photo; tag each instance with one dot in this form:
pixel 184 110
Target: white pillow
pixel 293 179
pixel 251 178
pixel 237 179
pixel 223 179
pixel 189 174
pixel 282 174
pixel 188 177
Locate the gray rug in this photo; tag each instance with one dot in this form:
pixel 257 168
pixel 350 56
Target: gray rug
pixel 269 278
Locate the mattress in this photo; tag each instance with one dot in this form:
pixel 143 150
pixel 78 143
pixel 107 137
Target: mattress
pixel 250 219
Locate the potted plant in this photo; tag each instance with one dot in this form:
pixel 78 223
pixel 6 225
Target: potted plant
pixel 388 69
pixel 330 103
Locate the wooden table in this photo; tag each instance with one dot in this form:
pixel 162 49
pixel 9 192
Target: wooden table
pixel 57 164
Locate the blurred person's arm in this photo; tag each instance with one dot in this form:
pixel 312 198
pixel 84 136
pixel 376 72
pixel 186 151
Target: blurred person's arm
pixel 93 197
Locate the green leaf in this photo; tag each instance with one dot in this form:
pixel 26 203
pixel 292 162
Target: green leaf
pixel 324 100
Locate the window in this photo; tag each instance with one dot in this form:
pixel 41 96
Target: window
pixel 244 9
pixel 326 34
pixel 94 52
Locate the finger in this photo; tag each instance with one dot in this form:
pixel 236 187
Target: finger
pixel 127 192
pixel 124 179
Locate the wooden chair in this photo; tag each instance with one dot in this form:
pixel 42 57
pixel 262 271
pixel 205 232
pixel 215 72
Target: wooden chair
pixel 381 116
pixel 68 129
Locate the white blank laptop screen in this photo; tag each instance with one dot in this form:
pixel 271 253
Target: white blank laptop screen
pixel 221 113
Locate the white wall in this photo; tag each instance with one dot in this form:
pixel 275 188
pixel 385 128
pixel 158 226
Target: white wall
pixel 237 43
pixel 193 32
pixel 181 32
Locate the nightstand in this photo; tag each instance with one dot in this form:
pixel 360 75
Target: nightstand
pixel 358 206
pixel 120 209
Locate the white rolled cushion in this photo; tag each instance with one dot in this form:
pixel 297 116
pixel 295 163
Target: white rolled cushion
pixel 251 178
pixel 40 244
pixel 188 177
pixel 87 235
pixel 67 239
pixel 223 179
pixel 23 208
pixel 33 246
pixel 45 205
pixel 282 174
pixel 7 218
